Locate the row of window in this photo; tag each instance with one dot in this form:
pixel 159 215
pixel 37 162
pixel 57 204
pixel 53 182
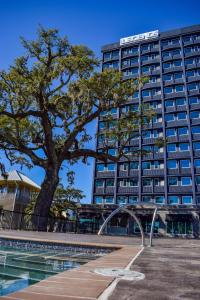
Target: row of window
pixel 170 132
pixel 182 116
pixel 182 101
pixel 154 46
pixel 154 105
pixel 149 165
pixel 172 147
pixel 148 182
pixel 173 200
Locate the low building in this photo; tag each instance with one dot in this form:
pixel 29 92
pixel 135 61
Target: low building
pixel 16 190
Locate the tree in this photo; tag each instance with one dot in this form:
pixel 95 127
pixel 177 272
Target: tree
pixel 64 199
pixel 47 99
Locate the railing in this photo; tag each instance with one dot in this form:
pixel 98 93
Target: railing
pixel 30 222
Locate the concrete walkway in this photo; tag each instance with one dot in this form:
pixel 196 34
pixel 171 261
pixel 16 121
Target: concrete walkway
pixel 172 271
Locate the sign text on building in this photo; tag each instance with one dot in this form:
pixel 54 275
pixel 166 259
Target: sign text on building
pixel 139 37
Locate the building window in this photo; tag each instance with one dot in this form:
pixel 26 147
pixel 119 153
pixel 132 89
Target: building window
pixel 185 163
pixel 169 103
pixel 171 147
pixel 134 165
pixel 112 152
pixel 197 163
pixel 159 199
pixel 182 116
pixel 133 199
pixel 196 145
pixel 180 101
pixel 98 199
pixel 99 183
pixel 122 199
pixel 184 147
pixel 173 200
pixel 146 198
pixel 182 131
pixel 172 164
pixel 196 130
pixel 169 117
pixel 194 114
pixel 170 132
pixel 193 100
pixel 179 88
pixel 147 182
pixel 187 199
pixel 173 181
pixel 109 200
pixel 146 93
pixel 168 90
pixel 198 180
pixel 192 86
pixel 110 182
pixel 185 181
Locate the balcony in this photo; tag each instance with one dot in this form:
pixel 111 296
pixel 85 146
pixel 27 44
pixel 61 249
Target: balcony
pixel 197 170
pixel 173 81
pixel 174 95
pixel 185 171
pixel 153 172
pixel 192 54
pixel 148 141
pixel 170 109
pixel 196 136
pixel 172 69
pixel 151 85
pixel 197 153
pixel 134 142
pixel 134 172
pixel 123 174
pixel 106 174
pixel 180 189
pixel 150 61
pixel 173 171
pixel 110 190
pixel 171 57
pixel 170 46
pixel 193 92
pixel 159 189
pixel 128 190
pixel 195 121
pixel 151 50
pixel 99 190
pixel 147 189
pixel 176 123
pixel 194 106
pixel 184 154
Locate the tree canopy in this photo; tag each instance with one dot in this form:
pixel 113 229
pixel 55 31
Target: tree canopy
pixel 47 99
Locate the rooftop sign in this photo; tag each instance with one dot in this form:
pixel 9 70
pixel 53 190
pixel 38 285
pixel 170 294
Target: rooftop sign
pixel 139 37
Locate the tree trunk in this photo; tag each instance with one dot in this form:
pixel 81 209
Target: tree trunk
pixel 45 198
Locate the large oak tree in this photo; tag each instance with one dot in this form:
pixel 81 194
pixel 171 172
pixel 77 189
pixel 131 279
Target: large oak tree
pixel 47 99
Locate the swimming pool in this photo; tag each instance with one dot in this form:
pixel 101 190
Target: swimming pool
pixel 23 263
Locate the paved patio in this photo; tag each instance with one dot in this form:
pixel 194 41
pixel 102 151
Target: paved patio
pixel 172 271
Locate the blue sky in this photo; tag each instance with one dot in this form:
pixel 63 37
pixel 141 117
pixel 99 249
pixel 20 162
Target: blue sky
pixel 90 22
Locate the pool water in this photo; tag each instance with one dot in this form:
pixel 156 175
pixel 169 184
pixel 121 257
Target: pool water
pixel 23 264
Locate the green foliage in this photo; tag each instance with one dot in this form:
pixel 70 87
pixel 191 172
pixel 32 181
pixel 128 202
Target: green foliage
pixel 64 199
pixel 50 95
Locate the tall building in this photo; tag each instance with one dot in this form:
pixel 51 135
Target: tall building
pixel 167 175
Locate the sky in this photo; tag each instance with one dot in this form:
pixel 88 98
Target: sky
pixel 90 22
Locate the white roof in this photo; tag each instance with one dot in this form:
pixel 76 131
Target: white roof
pixel 19 177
